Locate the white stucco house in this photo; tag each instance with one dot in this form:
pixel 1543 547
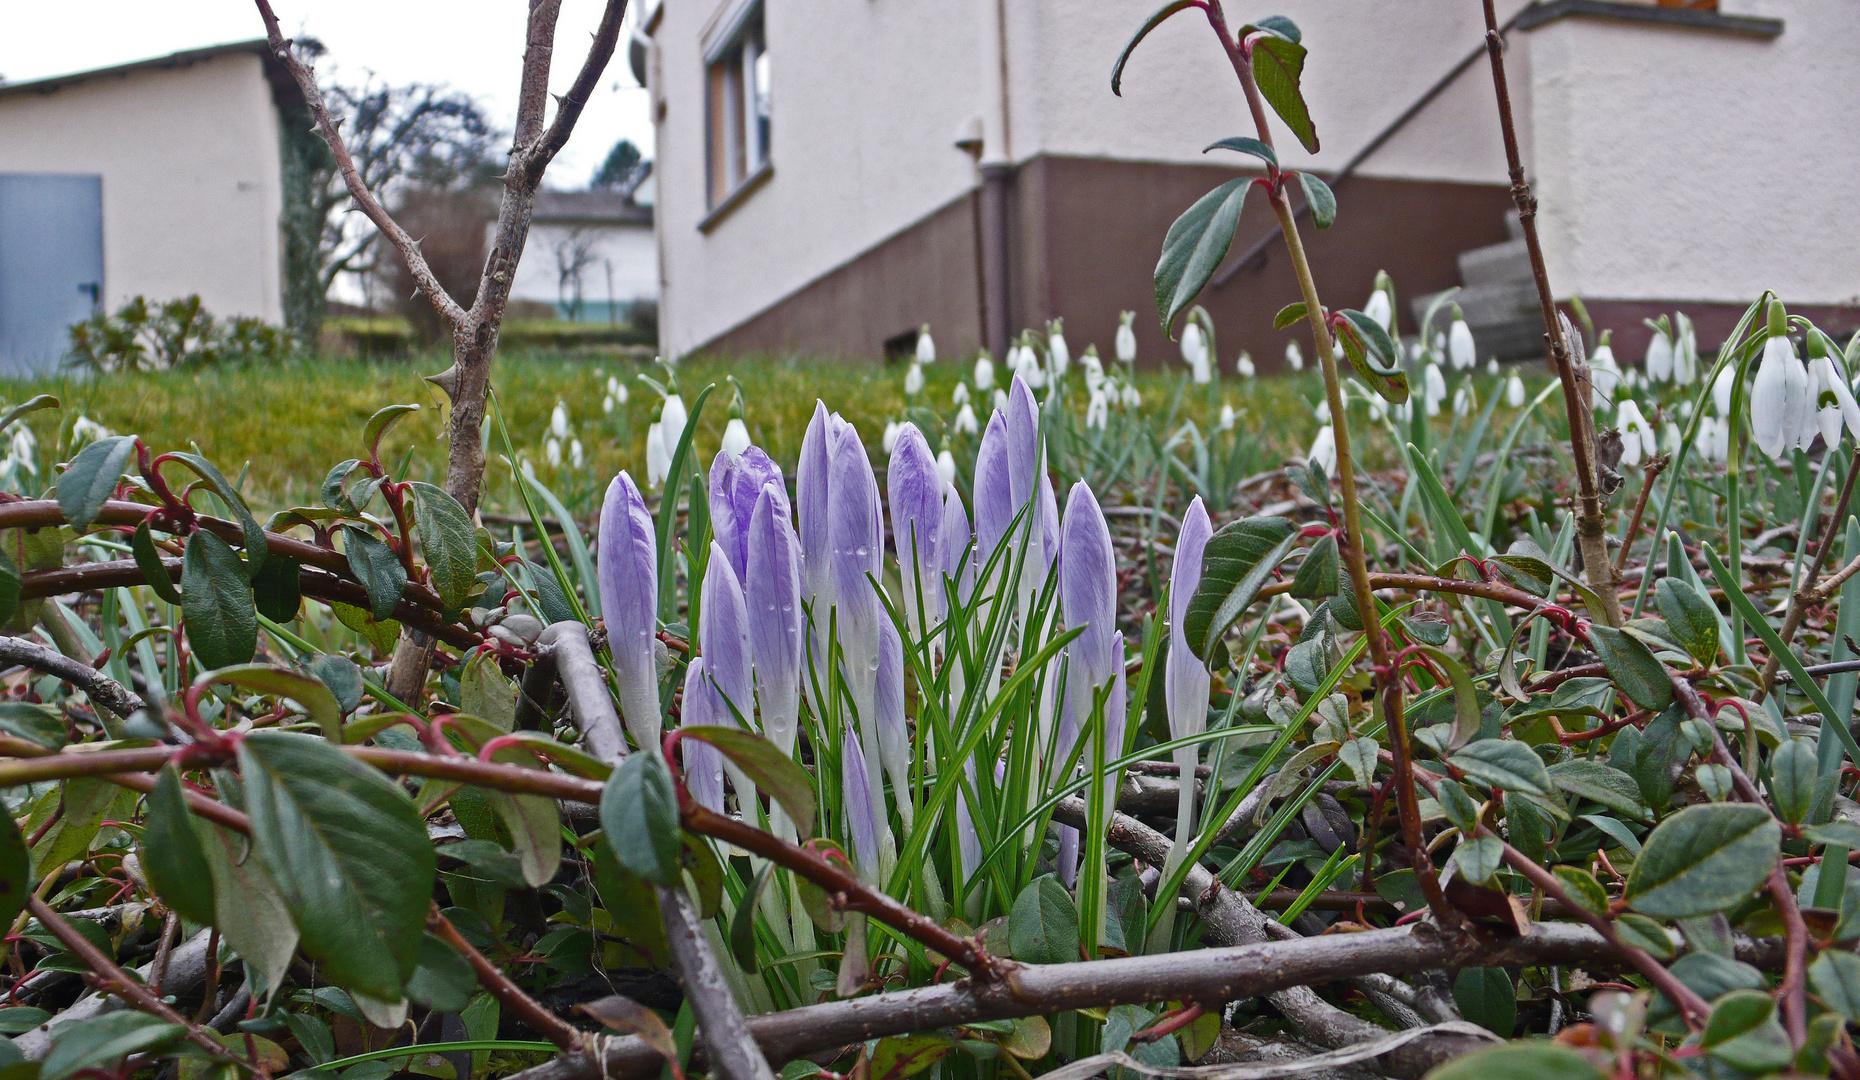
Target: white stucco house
pixel 830 176
pixel 591 255
pixel 159 178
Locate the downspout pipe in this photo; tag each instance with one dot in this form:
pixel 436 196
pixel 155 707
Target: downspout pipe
pixel 997 177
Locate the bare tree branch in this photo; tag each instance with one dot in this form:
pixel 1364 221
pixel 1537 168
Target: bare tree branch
pixel 106 692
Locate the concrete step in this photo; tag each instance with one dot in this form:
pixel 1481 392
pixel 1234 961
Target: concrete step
pixel 1496 264
pixel 1505 319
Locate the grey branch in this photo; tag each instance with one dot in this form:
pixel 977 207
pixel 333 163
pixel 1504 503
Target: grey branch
pixel 187 969
pixel 563 653
pixel 106 692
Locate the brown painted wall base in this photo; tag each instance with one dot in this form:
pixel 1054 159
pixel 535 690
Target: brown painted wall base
pixel 1085 236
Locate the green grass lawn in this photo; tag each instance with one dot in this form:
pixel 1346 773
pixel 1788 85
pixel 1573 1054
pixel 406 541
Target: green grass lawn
pixel 284 426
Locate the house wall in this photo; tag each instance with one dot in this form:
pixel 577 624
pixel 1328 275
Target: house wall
pixel 1697 168
pixel 630 249
pixel 191 186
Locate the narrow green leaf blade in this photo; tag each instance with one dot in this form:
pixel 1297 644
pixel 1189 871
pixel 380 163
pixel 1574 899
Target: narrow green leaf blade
pixel 1323 201
pixel 764 763
pixel 1242 144
pixel 1117 69
pixel 1278 65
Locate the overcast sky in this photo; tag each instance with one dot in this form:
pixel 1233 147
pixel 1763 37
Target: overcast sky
pixel 473 45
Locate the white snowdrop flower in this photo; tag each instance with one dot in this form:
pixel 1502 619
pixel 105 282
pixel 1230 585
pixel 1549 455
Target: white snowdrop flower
pixel 1721 439
pixel 618 390
pixel 1491 366
pixel 552 450
pixel 1403 412
pixel 1059 354
pixel 1094 370
pixel 1604 373
pixel 658 458
pixel 613 386
pixel 558 421
pixel 1322 411
pixel 1514 392
pixel 926 348
pixel 1637 436
pixel 1194 346
pixel 735 436
pixel 1433 388
pixel 1294 356
pixel 1323 451
pixel 1001 400
pixel 1098 410
pixel 1228 419
pixel 960 395
pixel 965 420
pixel 1377 408
pixel 672 421
pixel 1782 406
pixel 946 468
pixel 914 380
pixel 1722 387
pixel 1202 371
pixel 1659 361
pixel 1377 307
pixel 1244 366
pixel 576 455
pixel 1834 400
pixel 892 427
pixel 1685 350
pixel 1133 398
pixel 984 372
pixel 1669 438
pixel 1685 409
pixel 1460 348
pixel 1463 400
pixel 607 405
pixel 529 468
pixel 1126 339
pixel 1033 372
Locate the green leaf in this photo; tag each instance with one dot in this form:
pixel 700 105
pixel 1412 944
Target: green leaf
pixel 1466 713
pixel 91 477
pixel 1520 1061
pixel 1117 69
pixel 172 857
pixel 1504 763
pixel 442 981
pixel 897 1057
pixel 85 802
pixel 485 691
pixel 1274 24
pixel 1317 577
pixel 9 588
pixel 349 854
pixel 277 590
pixel 15 871
pixel 1792 780
pixel 773 771
pixel 255 543
pixel 380 422
pixel 104 1039
pixel 1459 807
pixel 639 818
pixel 1323 201
pixel 1360 755
pixel 1374 355
pixel 1645 934
pixel 216 603
pixel 1704 859
pixel 1239 558
pixel 1194 247
pixel 247 908
pixel 1835 975
pixel 1691 618
pixel 377 568
pixel 633 904
pixel 1479 857
pixel 1601 784
pixel 1289 315
pixel 1583 889
pixel 449 542
pixel 1632 666
pixel 382 634
pixel 340 674
pixel 30 405
pixel 1487 998
pixel 315 698
pixel 335 493
pixel 743 925
pixel 149 561
pixel 1244 145
pixel 1838 833
pixel 1743 1033
pixel 1278 63
pixel 42 724
pixel 1043 927
pixel 532 821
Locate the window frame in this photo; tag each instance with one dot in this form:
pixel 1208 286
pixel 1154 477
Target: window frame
pixel 737 126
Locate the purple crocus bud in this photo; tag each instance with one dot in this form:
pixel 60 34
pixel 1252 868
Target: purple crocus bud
pixel 1094 659
pixel 1023 430
pixel 772 596
pixel 862 812
pixel 854 531
pixel 811 482
pixel 916 492
pixel 1186 686
pixel 994 500
pixel 723 636
pixel 628 575
pixel 955 553
pixel 703 763
pixel 1048 524
pixel 894 737
pixel 736 481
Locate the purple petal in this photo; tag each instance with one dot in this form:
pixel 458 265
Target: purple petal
pixel 853 533
pixel 703 763
pixel 1088 589
pixel 861 811
pixel 994 501
pixel 723 635
pixel 894 737
pixel 1023 429
pixel 772 596
pixel 811 482
pixel 1049 528
pixel 954 550
pixel 628 575
pixel 916 493
pixel 736 481
pixel 1187 681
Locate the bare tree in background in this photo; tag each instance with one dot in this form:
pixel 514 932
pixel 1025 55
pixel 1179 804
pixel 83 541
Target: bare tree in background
pixel 535 142
pixel 574 253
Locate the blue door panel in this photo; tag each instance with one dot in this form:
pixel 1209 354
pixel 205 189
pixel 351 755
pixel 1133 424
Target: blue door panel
pixel 51 266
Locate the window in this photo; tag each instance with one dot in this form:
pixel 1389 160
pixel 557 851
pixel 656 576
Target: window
pixel 737 107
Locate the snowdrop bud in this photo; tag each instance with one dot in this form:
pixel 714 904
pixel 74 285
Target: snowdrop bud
pixel 735 436
pixel 1462 400
pixel 1491 366
pixel 613 386
pixel 960 395
pixel 926 348
pixel 735 484
pixel 576 456
pixel 703 763
pixel 1058 353
pixel 890 439
pixel 1294 357
pixel 558 421
pixel 965 422
pixel 1227 419
pixel 552 450
pixel 1244 366
pixel 619 391
pixel 1093 368
pixel 1322 411
pixel 1781 403
pixel 1669 438
pixel 1659 361
pixel 946 466
pixel 1637 437
pixel 1000 400
pixel 772 596
pixel 1434 388
pixel 1460 345
pixel 1323 452
pixel 1194 348
pixel 1098 410
pixel 627 573
pixel 1202 371
pixel 1514 392
pixel 1377 307
pixel 1722 388
pixel 1126 338
pixel 529 468
pixel 658 458
pixel 1132 396
pixel 984 372
pixel 1604 374
pixel 672 421
pixel 607 405
pixel 914 380
pixel 914 491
